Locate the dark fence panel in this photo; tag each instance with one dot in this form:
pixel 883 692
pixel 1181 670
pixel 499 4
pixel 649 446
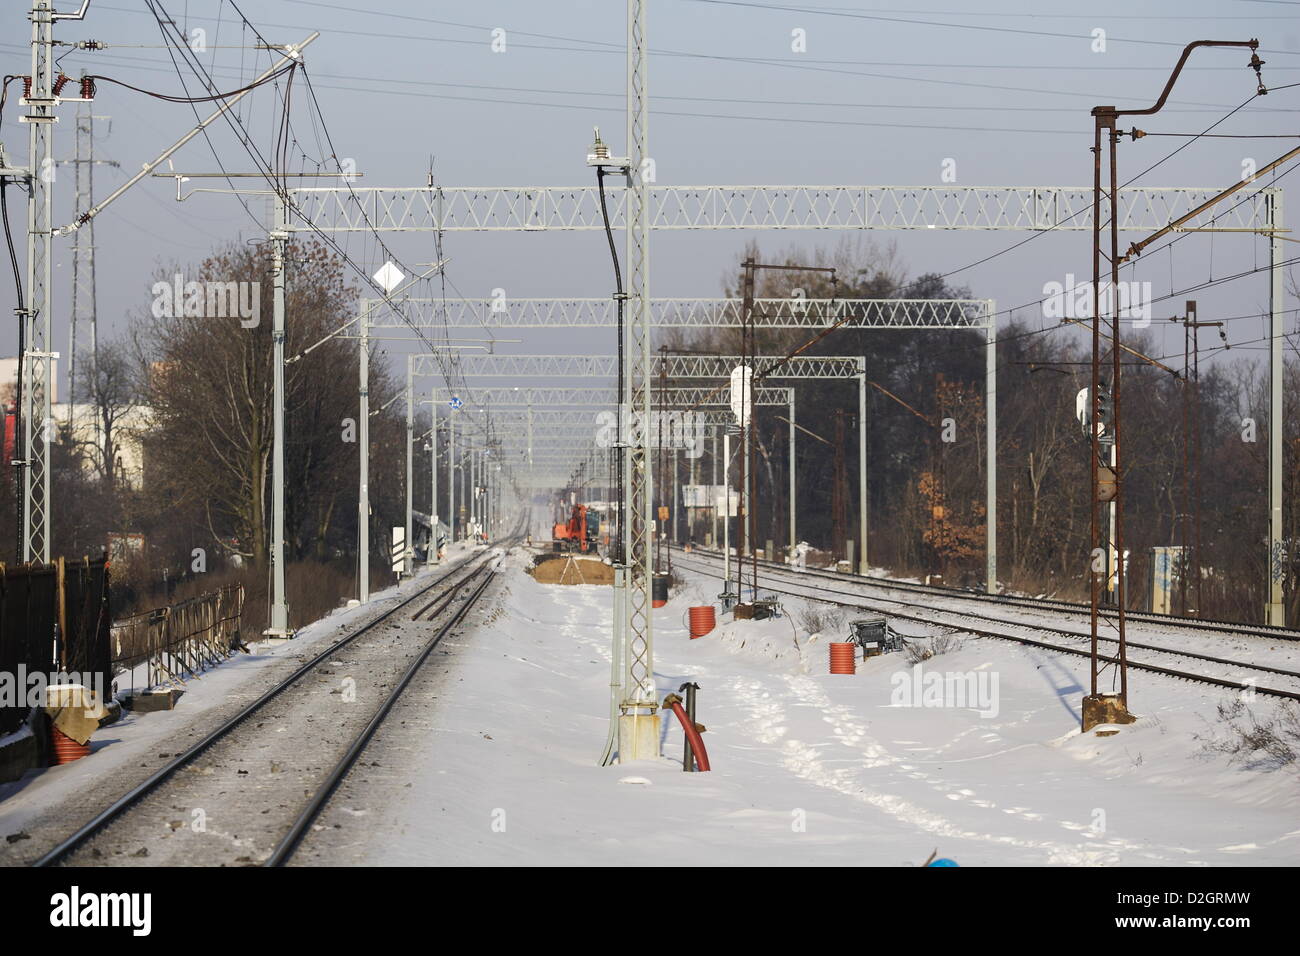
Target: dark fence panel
pixel 28 615
pixel 70 599
pixel 86 623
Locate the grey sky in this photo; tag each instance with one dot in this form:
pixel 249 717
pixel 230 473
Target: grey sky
pixel 872 101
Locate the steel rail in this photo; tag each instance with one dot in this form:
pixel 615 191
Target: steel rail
pixel 118 807
pixel 1168 620
pixel 929 621
pixel 291 841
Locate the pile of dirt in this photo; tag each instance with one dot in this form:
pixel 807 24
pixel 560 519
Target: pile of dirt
pixel 571 569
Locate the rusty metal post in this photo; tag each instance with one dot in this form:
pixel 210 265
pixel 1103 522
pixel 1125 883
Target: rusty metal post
pixel 1097 707
pixel 747 418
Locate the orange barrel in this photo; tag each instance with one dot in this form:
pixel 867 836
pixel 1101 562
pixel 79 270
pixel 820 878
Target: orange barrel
pixel 66 749
pixel 702 621
pixel 659 589
pixel 842 657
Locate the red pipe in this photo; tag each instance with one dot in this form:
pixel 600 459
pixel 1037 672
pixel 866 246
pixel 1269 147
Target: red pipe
pixel 692 735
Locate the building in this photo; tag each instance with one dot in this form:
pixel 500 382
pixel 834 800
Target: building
pixel 82 424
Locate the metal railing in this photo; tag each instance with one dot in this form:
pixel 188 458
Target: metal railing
pixel 182 639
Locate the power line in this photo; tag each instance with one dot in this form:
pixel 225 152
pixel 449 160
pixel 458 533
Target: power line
pixel 858 15
pixel 618 49
pixel 1157 163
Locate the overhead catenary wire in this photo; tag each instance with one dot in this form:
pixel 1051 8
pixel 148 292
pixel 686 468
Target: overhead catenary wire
pixel 618 49
pixel 1059 222
pixel 268 169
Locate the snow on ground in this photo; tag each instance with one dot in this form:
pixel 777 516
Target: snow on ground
pixel 809 767
pixel 122 747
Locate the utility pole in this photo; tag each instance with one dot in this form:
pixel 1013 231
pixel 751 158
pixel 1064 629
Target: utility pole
pixel 1106 484
pixel 433 484
pixel 713 462
pixel 279 239
pixel 1275 610
pixel 639 719
pixel 35 377
pixel 749 354
pixel 451 478
pixel 839 493
pixel 363 447
pixel 83 310
pixel 408 553
pixel 863 565
pixel 34 362
pixel 726 517
pixel 793 486
pixel 1192 560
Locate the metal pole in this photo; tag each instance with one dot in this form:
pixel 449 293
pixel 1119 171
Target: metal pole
pixel 672 504
pixel 695 482
pixel 744 536
pixel 408 552
pixel 1112 561
pixel 279 240
pixel 714 484
pixel 363 480
pixel 639 723
pixel 1103 122
pixel 616 689
pixel 466 478
pixel 688 756
pixel 1117 505
pixel 35 364
pixel 433 483
pixel 1275 610
pixel 794 541
pixel 991 455
pixel 726 521
pixel 451 478
pixel 862 469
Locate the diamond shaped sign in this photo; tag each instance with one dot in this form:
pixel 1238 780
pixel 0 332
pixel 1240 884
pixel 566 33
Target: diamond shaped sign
pixel 388 276
pixel 456 402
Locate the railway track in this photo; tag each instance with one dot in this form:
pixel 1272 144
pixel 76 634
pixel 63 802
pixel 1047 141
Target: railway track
pixel 1205 625
pixel 796 584
pixel 242 739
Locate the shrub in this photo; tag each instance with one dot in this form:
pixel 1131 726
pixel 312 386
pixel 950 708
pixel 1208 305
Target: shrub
pixel 1276 739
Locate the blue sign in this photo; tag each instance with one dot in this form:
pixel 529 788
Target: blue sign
pixel 456 402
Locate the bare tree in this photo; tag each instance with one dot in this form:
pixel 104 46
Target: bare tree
pixel 210 387
pixel 110 389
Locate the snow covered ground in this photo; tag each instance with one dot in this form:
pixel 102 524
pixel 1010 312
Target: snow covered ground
pixel 123 752
pixel 809 767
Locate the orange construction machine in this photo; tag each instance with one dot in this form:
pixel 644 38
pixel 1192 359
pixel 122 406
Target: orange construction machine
pixel 579 533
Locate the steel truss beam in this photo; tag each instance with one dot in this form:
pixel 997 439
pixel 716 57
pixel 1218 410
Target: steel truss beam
pixel 785 313
pixel 567 208
pixel 605 366
pixel 558 420
pixel 506 396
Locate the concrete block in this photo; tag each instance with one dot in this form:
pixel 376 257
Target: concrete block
pixel 147 702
